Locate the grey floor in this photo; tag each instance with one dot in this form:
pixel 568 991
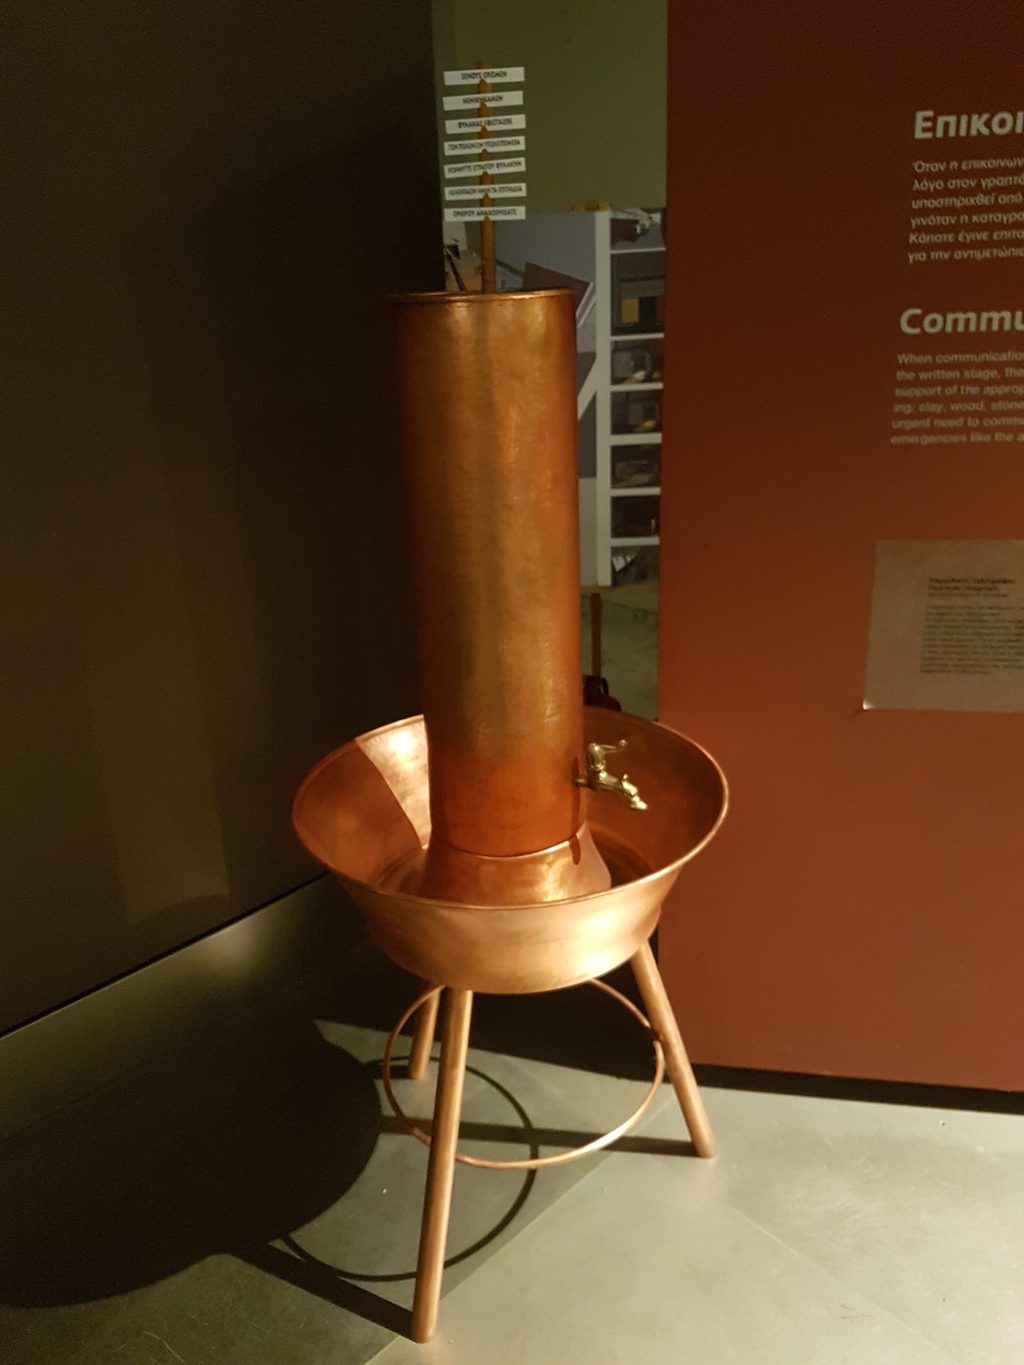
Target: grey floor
pixel 248 1203
pixel 629 647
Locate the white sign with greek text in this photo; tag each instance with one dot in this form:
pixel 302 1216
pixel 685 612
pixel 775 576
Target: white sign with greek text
pixel 493 75
pixel 493 99
pixel 495 166
pixel 460 215
pixel 516 190
pixel 471 146
pixel 498 122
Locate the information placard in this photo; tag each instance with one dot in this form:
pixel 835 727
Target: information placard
pixel 496 131
pixel 947 626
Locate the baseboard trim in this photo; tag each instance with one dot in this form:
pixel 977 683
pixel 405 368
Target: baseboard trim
pixel 60 1056
pixel 856 1088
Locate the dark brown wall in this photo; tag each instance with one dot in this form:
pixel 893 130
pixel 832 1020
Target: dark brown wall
pixel 203 584
pixel 861 913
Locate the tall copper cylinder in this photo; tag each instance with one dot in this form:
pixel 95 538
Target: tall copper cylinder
pixel 487 406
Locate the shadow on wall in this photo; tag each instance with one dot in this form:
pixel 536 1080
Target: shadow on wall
pixel 273 389
pixel 206 530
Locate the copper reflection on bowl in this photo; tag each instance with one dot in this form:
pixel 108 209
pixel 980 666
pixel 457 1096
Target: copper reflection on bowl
pixel 364 812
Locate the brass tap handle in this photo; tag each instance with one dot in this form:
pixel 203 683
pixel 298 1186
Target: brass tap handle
pixel 598 778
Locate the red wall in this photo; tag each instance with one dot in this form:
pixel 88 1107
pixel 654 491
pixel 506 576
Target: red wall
pixel 862 911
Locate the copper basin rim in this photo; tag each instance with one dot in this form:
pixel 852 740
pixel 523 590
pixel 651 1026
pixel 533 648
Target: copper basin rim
pixel 364 813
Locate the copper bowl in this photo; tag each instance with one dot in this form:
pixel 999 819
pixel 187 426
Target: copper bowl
pixel 364 813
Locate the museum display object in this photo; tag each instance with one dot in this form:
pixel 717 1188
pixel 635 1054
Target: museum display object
pixel 496 844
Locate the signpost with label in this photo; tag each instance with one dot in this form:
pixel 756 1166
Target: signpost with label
pixel 483 112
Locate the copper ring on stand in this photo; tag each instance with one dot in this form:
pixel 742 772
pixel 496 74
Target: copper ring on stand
pixel 536 1162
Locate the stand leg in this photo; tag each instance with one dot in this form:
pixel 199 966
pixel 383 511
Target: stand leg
pixel 661 1015
pixel 423 1037
pixel 441 1166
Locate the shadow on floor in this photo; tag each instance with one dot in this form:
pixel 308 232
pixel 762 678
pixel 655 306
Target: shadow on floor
pixel 250 1135
pixel 226 1149
pixel 299 1266
pixel 257 1130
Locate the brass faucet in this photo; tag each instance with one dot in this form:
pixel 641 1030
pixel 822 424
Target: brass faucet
pixel 598 778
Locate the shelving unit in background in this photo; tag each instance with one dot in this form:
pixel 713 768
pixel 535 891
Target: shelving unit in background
pixel 629 347
pixel 620 347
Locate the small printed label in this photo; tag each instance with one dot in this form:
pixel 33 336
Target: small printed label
pixel 471 146
pixel 456 215
pixel 516 190
pixel 499 122
pixel 493 75
pixel 493 98
pixel 494 166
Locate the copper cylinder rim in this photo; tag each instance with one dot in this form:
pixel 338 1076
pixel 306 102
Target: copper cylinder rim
pixel 407 897
pixel 521 857
pixel 474 296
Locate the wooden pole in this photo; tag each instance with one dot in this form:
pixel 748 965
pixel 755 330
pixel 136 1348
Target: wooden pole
pixel 488 255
